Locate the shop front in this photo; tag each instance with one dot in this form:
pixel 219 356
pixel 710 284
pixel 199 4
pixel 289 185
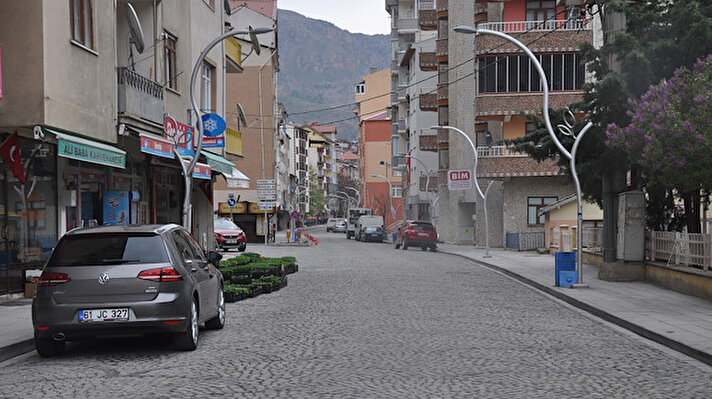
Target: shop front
pixel 28 203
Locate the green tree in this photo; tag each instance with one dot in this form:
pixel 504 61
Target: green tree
pixel 316 195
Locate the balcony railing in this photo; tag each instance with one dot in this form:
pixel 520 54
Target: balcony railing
pixel 443 94
pixel 441 48
pixel 428 142
pixel 428 102
pixel 407 25
pixel 402 125
pixel 523 26
pixel 139 96
pixel 428 61
pixel 428 19
pixel 441 7
pixel 497 151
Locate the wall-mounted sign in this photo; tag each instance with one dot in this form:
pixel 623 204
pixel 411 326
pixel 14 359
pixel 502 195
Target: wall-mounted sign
pixel 240 207
pixel 213 125
pixel 181 134
pixel 459 180
pixel 156 146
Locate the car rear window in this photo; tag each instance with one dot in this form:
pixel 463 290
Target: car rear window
pixel 422 226
pixel 107 249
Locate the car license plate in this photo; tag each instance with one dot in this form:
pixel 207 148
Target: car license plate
pixel 422 234
pixel 231 241
pixel 102 315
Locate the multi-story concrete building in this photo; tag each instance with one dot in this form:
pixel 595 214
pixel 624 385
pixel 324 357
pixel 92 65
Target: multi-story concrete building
pixel 89 115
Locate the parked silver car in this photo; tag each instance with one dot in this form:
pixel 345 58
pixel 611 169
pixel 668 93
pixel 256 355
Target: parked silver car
pixel 126 280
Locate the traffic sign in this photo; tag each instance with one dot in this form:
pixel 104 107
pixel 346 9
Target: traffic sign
pixel 231 202
pixel 459 180
pixel 265 181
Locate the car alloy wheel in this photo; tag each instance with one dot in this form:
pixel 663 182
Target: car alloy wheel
pixel 188 339
pixel 218 321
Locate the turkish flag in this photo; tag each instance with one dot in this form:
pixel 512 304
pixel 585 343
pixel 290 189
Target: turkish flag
pixel 10 153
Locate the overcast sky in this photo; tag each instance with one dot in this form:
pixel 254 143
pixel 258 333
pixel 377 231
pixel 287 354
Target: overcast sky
pixel 356 16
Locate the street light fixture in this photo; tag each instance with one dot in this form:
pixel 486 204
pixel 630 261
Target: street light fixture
pixel 390 191
pixel 188 171
pixel 358 194
pixel 477 184
pixel 564 129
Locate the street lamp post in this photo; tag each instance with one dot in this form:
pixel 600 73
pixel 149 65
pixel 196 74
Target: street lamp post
pixel 188 170
pixel 564 129
pixel 352 200
pixel 477 184
pixel 358 194
pixel 390 191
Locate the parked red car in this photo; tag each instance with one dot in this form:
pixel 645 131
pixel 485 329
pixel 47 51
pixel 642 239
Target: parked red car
pixel 229 235
pixel 416 233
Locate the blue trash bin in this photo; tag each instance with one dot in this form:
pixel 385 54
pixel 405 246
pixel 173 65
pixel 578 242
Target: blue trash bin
pixel 564 262
pixel 567 278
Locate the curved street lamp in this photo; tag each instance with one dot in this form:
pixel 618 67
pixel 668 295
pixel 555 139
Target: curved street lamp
pixel 477 184
pixel 390 191
pixel 564 129
pixel 427 182
pixel 358 194
pixel 188 170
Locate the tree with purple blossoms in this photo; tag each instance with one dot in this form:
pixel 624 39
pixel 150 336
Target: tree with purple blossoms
pixel 670 135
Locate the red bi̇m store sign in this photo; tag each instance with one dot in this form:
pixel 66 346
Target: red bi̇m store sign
pixel 459 180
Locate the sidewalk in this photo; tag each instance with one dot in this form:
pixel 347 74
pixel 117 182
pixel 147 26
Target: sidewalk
pixel 678 321
pixel 681 322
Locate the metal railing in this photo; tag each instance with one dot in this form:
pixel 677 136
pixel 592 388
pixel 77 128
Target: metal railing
pixel 130 78
pixel 497 151
pixel 525 26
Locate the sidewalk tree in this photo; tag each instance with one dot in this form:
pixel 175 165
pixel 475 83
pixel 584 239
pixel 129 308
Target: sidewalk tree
pixel 670 135
pixel 660 37
pixel 316 195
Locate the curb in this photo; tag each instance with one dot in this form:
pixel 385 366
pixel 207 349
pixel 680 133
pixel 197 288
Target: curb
pixel 17 349
pixel 703 357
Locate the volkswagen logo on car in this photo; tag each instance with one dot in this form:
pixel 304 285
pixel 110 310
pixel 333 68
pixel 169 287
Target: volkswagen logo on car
pixel 103 278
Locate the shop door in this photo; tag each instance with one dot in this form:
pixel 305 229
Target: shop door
pixel 168 195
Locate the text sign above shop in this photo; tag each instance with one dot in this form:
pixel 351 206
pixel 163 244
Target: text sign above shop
pixel 181 134
pixel 459 180
pixel 201 170
pixel 157 147
pixel 87 153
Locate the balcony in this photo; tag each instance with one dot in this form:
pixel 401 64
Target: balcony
pixel 497 151
pixel 443 136
pixel 391 4
pixel 428 19
pixel 432 185
pixel 402 125
pixel 407 25
pixel 443 94
pixel 428 61
pixel 538 26
pixel 428 102
pixel 428 142
pixel 441 9
pixel 139 96
pixel 441 49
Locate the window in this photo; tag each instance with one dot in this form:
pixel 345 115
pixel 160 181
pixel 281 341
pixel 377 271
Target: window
pixel 82 19
pixel 395 145
pixel 541 11
pixel 533 206
pixel 501 74
pixel 361 88
pixel 397 191
pixel 207 85
pixel 171 74
pixel 107 249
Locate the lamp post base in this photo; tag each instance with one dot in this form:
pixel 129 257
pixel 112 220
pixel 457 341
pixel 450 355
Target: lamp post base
pixel 579 286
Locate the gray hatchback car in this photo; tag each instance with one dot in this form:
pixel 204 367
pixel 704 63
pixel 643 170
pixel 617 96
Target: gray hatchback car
pixel 127 280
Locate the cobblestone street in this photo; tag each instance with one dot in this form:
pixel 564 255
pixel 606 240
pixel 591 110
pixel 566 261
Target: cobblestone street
pixel 362 320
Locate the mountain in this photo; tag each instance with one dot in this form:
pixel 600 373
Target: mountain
pixel 319 66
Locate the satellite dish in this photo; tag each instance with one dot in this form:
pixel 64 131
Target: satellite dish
pixel 241 120
pixel 254 40
pixel 136 32
pixel 226 5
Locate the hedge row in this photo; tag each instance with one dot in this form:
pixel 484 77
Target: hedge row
pixel 250 274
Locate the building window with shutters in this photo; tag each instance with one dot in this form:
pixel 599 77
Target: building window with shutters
pixel 171 73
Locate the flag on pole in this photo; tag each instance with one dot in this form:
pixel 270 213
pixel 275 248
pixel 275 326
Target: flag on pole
pixel 10 153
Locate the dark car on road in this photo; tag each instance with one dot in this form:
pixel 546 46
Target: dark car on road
pixel 372 234
pixel 417 234
pixel 229 235
pixel 127 280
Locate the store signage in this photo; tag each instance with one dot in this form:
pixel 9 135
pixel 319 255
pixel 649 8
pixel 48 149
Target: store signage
pixel 201 170
pixel 213 142
pixel 459 180
pixel 87 153
pixel 156 146
pixel 224 207
pixel 257 207
pixel 213 125
pixel 181 134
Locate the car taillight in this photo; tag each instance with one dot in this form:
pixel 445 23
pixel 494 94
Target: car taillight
pixel 48 278
pixel 165 274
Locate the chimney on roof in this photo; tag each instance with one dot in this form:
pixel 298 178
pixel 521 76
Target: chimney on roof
pixel 374 69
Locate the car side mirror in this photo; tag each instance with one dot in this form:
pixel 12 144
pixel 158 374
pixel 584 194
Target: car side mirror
pixel 214 257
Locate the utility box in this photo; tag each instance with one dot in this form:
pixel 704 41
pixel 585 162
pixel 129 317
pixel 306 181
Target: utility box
pixel 631 226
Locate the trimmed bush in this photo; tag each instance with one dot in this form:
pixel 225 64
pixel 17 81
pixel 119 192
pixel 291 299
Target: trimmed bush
pixel 234 293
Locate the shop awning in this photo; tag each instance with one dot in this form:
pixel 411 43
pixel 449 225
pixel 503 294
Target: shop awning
pixel 88 150
pixel 237 179
pixel 218 163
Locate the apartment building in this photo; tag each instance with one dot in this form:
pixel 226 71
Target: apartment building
pixel 87 99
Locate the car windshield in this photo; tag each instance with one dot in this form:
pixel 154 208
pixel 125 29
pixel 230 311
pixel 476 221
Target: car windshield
pixel 225 224
pixel 422 226
pixel 105 249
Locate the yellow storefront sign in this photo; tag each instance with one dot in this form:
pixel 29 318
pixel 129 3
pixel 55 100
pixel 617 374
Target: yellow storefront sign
pixel 255 208
pixel 240 207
